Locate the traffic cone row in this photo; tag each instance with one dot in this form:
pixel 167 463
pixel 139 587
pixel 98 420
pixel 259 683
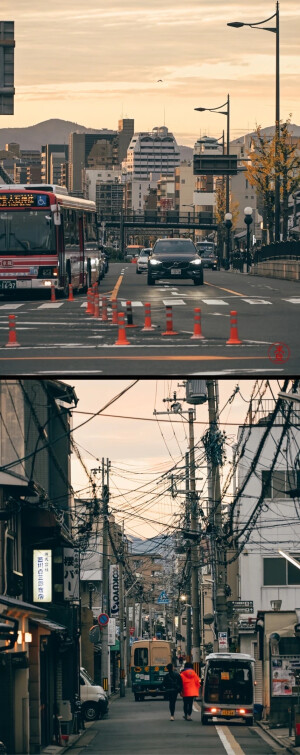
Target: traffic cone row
pixel 12 336
pixel 169 323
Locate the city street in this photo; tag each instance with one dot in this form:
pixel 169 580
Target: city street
pixel 60 338
pixel 145 729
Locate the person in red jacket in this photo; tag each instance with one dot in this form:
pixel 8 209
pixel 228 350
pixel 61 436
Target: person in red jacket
pixel 190 689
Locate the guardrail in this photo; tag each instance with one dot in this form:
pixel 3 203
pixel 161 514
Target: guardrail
pixel 287 269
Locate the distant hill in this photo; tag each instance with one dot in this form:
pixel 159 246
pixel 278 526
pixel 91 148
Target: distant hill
pixel 53 131
pixel 269 131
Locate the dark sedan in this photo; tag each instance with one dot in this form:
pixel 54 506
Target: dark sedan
pixel 175 259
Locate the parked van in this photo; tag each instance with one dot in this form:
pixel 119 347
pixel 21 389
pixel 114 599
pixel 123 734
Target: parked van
pixel 94 700
pixel 149 659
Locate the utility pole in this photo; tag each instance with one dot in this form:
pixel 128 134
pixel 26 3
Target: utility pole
pixel 219 553
pixel 188 608
pixel 105 578
pixel 194 546
pixel 121 614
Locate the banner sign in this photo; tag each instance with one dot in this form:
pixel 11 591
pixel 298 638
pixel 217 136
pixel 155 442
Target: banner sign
pixel 112 632
pixel 42 576
pixel 223 642
pixel 71 573
pixel 114 589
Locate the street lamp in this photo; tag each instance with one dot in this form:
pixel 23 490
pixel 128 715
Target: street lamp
pixel 275 30
pixel 227 113
pixel 248 219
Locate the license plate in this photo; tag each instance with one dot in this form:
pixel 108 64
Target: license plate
pixel 175 271
pixel 228 712
pixel 8 284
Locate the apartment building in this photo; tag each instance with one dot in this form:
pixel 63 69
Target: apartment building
pixel 152 152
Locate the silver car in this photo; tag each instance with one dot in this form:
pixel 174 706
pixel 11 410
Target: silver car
pixel 142 260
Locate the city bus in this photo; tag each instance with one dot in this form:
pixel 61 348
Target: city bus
pixel 45 235
pixel 228 687
pixel 149 659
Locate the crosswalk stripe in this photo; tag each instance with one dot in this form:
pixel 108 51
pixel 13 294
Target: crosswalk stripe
pixel 257 301
pixel 293 301
pixel 172 302
pixel 51 305
pixel 133 303
pixel 221 302
pixel 11 306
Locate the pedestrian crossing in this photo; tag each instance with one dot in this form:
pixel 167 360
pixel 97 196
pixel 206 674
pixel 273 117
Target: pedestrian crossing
pixel 209 302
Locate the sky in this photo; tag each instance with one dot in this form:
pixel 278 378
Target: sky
pixel 142 447
pixel 94 62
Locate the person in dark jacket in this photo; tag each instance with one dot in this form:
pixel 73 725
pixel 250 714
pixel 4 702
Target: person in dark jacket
pixel 190 689
pixel 173 684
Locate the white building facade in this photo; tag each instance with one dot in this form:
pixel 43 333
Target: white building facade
pixel 153 151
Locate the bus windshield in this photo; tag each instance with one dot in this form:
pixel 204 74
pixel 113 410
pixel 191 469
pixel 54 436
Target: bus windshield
pixel 27 232
pixel 229 682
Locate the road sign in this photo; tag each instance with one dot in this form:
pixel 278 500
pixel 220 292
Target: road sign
pixel 163 598
pixel 242 606
pixel 103 620
pixel 223 642
pixel 215 165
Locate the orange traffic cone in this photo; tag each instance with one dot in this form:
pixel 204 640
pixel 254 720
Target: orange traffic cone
pixel 89 309
pixel 121 340
pixel 96 304
pixel 234 338
pixel 71 297
pixel 197 324
pixel 148 324
pixel 169 317
pixel 12 336
pixel 104 317
pixel 52 298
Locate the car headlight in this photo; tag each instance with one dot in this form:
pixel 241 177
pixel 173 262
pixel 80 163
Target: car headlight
pixel 155 262
pixel 196 262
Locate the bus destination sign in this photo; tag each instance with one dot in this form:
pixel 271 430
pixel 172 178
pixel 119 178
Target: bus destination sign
pixel 13 200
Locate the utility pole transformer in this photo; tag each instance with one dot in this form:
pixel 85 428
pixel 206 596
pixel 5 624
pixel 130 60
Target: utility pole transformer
pixel 215 511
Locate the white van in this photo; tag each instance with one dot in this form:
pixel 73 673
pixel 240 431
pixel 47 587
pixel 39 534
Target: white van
pixel 94 700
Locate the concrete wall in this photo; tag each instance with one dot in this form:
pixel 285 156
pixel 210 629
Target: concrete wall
pixel 286 269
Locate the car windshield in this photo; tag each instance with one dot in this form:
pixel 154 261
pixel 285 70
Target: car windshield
pixel 145 252
pixel 229 683
pixel 206 253
pixel 169 246
pixel 26 232
pixel 88 677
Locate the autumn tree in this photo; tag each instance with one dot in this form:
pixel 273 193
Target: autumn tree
pixel 289 163
pixel 260 174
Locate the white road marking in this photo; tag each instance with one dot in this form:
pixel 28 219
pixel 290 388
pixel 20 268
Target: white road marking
pixel 229 742
pixel 293 301
pixel 171 302
pixel 133 303
pixel 215 302
pixel 257 301
pixel 51 305
pixel 11 306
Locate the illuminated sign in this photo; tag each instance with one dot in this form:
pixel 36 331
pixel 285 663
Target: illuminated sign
pixel 12 200
pixel 42 576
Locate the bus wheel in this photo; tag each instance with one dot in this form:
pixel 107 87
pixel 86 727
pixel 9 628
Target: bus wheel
pixel 136 697
pixel 65 290
pixel 204 720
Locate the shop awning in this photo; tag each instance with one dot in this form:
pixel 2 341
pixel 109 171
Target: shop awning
pixel 51 625
pixel 20 606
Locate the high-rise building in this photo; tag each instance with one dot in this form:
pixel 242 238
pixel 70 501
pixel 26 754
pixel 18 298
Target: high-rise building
pixel 125 131
pixel 152 152
pixel 99 149
pixel 53 156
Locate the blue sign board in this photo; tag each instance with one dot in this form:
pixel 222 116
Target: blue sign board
pixel 163 598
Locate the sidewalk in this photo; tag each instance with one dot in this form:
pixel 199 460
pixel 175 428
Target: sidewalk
pixel 281 736
pixel 73 738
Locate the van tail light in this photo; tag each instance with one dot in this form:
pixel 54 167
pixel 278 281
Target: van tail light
pixel 242 710
pixel 55 272
pixel 213 710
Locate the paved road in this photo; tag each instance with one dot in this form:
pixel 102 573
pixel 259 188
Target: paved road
pixel 145 729
pixel 60 338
